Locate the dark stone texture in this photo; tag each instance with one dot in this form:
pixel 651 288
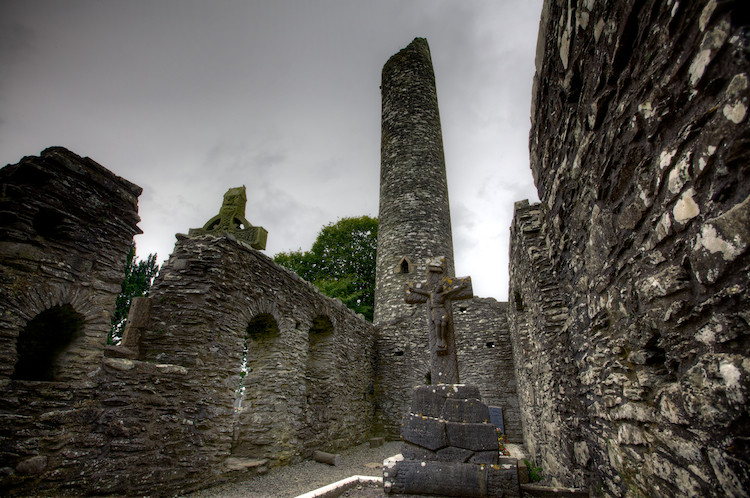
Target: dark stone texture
pixel 454 454
pixel 426 432
pixel 414 452
pixel 450 479
pixel 430 400
pixel 629 280
pixel 475 437
pixel 165 415
pixel 487 457
pixel 465 448
pixel 427 401
pixel 32 466
pixel 465 410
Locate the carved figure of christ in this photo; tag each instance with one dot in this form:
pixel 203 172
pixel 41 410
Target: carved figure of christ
pixel 438 292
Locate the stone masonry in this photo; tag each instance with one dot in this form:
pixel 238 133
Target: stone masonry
pixel 414 226
pixel 621 357
pixel 485 357
pixel 629 281
pixel 172 411
pixel 65 222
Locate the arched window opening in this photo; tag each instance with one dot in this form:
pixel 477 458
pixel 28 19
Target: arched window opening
pixel 41 343
pixel 254 399
pixel 404 266
pixel 262 327
pixel 321 325
pixel 260 335
pixel 319 379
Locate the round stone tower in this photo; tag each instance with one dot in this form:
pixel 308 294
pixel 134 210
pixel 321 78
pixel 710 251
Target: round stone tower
pixel 414 223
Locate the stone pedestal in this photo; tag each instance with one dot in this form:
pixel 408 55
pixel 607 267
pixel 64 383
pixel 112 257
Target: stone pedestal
pixel 450 447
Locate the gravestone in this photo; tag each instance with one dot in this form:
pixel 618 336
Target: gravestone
pixel 450 443
pixel 496 417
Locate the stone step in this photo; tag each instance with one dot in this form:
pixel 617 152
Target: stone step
pixel 239 463
pixel 538 491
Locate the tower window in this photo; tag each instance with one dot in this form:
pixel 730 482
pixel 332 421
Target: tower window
pixel 404 266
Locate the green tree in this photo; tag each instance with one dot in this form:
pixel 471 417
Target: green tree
pixel 341 262
pixel 139 275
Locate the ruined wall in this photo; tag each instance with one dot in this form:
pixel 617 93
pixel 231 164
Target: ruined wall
pixel 170 412
pixel 66 225
pixel 310 360
pixel 485 357
pixel 639 152
pixel 547 386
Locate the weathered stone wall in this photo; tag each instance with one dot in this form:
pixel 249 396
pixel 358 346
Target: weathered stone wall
pixel 485 357
pixel 170 414
pixel 66 225
pixel 310 360
pixel 546 376
pixel 639 151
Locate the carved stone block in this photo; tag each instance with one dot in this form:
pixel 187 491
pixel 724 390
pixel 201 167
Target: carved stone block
pixel 475 437
pixel 426 432
pixel 450 479
pixel 465 411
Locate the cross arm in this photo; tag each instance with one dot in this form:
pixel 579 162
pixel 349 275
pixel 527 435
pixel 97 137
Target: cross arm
pixel 458 288
pixel 415 295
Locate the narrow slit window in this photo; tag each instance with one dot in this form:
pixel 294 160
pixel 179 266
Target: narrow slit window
pixel 404 266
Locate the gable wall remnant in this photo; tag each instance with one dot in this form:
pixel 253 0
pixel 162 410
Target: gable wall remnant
pixel 639 152
pixel 66 225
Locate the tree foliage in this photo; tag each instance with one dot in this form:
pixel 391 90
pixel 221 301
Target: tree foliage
pixel 139 275
pixel 341 262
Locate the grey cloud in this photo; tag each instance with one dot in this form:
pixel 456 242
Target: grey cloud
pixel 188 99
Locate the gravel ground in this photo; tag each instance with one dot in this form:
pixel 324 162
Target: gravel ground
pixel 294 480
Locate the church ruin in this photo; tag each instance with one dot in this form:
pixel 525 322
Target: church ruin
pixel 620 361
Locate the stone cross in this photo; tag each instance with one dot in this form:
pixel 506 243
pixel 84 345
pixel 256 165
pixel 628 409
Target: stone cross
pixel 438 292
pixel 231 219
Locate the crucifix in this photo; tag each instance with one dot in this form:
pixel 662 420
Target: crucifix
pixel 438 292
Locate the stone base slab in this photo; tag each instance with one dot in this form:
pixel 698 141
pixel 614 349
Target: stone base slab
pixel 449 478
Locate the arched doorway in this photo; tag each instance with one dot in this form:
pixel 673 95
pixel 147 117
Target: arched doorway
pixel 41 344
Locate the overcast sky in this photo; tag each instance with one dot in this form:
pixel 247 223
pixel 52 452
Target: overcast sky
pixel 189 98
